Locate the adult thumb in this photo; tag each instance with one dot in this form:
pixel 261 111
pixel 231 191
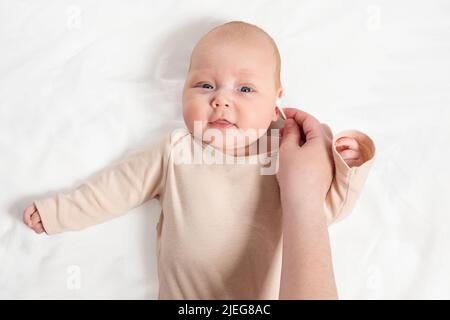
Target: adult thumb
pixel 291 133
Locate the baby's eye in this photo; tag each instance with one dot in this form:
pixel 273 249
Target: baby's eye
pixel 207 86
pixel 246 89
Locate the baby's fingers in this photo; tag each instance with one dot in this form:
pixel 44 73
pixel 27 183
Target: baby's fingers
pixel 39 228
pixel 349 154
pixel 27 214
pixel 354 163
pixel 35 218
pixel 347 143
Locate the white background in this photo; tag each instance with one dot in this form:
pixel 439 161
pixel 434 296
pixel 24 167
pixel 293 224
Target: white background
pixel 82 83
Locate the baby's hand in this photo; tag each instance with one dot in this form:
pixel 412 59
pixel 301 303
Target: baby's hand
pixel 32 219
pixel 349 150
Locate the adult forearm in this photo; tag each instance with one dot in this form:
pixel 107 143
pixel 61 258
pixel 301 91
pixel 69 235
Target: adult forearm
pixel 307 269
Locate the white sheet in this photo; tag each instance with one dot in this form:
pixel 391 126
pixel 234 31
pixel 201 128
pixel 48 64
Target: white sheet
pixel 83 83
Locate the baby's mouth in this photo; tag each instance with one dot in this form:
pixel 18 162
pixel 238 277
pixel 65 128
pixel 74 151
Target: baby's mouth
pixel 221 124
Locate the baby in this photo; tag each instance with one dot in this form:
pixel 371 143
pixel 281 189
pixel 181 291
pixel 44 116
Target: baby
pixel 219 234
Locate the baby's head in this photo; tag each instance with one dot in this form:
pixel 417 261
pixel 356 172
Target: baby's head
pixel 234 75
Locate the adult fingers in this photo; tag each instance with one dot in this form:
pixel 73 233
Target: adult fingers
pixel 310 125
pixel 291 133
pixel 326 128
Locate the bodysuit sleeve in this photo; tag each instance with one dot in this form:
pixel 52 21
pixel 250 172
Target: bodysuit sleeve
pixel 348 182
pixel 109 194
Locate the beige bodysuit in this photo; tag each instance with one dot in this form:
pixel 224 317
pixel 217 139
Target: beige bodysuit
pixel 219 234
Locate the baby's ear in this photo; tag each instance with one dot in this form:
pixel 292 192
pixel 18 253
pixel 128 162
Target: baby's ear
pixel 276 114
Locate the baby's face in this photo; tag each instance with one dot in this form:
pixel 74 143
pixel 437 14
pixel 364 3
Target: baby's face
pixel 234 82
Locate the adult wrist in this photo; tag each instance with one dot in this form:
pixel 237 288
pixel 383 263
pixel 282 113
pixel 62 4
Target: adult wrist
pixel 300 199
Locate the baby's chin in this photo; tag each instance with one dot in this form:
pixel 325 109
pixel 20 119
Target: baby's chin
pixel 226 137
pixel 230 139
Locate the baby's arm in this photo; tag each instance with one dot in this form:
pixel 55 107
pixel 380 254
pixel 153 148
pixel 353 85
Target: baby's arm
pixel 353 153
pixel 107 195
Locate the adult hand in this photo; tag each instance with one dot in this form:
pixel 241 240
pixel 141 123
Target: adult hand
pixel 304 175
pixel 306 163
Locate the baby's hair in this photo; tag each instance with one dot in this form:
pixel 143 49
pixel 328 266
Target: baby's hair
pixel 240 30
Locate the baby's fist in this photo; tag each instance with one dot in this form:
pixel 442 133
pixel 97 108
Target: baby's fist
pixel 32 219
pixel 349 150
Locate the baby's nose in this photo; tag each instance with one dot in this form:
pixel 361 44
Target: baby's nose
pixel 224 104
pixel 221 100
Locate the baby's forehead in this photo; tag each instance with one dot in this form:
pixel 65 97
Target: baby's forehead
pixel 211 70
pixel 241 45
pixel 241 61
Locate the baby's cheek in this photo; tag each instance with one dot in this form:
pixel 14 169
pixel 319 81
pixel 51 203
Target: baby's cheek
pixel 258 119
pixel 193 114
pixel 252 131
